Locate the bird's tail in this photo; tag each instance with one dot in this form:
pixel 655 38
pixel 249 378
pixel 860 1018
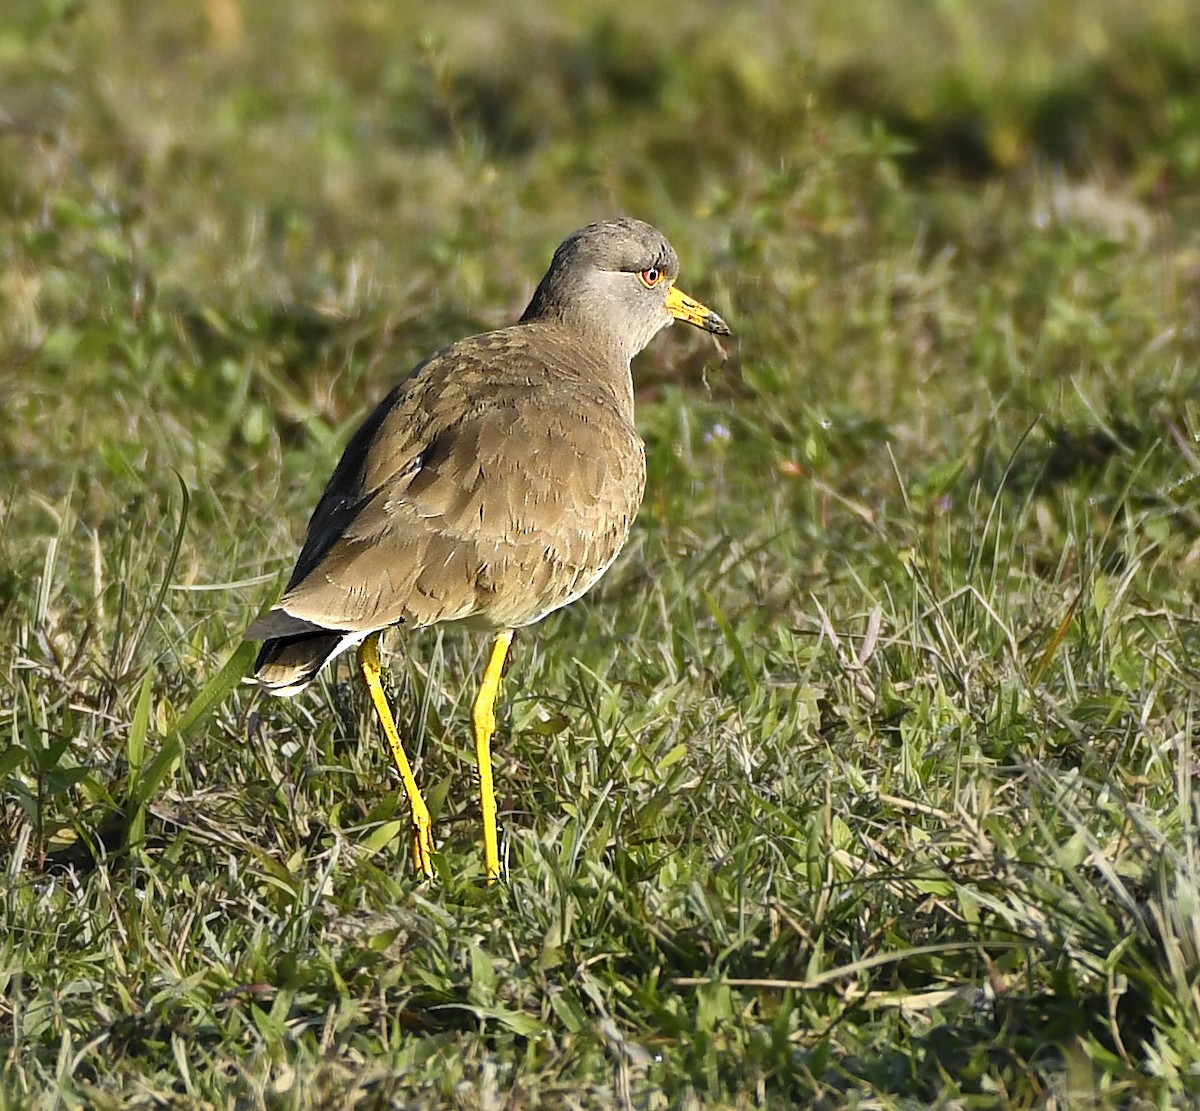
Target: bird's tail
pixel 286 665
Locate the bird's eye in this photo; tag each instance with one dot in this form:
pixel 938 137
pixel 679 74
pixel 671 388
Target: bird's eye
pixel 650 278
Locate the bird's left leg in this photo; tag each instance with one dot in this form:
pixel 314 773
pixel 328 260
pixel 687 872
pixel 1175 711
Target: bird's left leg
pixel 483 716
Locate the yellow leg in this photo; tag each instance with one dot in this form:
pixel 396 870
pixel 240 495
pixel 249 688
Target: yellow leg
pixel 483 715
pixel 422 842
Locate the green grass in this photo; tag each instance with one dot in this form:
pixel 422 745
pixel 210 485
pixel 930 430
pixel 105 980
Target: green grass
pixel 865 777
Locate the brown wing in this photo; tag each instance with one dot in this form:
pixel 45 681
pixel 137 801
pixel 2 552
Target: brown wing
pixel 496 483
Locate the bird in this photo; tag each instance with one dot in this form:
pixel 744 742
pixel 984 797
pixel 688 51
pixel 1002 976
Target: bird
pixel 494 485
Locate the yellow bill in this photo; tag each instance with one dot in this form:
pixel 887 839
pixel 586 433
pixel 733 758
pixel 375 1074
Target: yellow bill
pixel 683 307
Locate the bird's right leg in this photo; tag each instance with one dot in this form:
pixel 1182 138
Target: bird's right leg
pixel 422 840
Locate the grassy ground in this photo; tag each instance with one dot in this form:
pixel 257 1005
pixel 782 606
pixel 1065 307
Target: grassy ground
pixel 867 774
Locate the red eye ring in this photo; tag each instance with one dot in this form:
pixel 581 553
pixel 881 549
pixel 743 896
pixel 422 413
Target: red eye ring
pixel 650 278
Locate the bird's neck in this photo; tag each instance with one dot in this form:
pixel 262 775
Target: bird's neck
pixel 593 354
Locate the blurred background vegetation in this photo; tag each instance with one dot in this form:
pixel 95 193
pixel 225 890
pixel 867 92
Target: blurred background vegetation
pixel 270 186
pixel 959 242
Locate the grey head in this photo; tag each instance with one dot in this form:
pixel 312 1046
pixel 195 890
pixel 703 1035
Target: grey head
pixel 614 283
